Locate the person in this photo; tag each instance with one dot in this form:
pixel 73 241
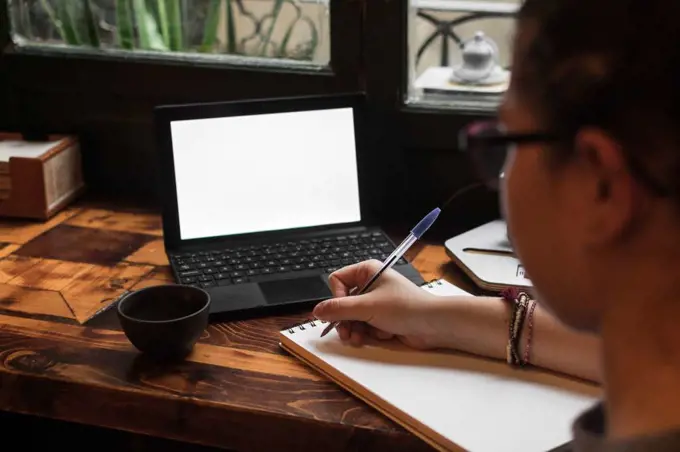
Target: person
pixel 586 153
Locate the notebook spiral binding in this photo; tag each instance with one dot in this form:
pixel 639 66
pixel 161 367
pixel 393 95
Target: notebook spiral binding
pixel 301 326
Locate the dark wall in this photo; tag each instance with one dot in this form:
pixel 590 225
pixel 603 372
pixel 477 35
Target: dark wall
pixel 109 104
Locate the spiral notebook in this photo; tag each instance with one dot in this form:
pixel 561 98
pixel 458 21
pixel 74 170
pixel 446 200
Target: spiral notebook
pixel 453 401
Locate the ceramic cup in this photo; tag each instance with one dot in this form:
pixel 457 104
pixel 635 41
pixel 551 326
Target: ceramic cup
pixel 165 321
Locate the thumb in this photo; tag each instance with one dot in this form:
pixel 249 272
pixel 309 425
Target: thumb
pixel 345 308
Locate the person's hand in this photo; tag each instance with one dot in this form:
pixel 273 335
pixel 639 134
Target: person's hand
pixel 394 306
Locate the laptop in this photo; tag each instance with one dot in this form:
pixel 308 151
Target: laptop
pixel 263 199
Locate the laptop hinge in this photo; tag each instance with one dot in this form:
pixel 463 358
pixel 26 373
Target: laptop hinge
pixel 271 239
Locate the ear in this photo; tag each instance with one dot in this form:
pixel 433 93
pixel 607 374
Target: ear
pixel 608 187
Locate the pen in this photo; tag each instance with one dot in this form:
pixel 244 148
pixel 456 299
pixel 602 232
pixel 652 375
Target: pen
pixel 416 233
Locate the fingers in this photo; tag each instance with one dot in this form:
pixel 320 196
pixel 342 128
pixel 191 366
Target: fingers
pixel 380 334
pixel 338 288
pixel 344 330
pixel 356 332
pixel 352 311
pixel 347 308
pixel 347 278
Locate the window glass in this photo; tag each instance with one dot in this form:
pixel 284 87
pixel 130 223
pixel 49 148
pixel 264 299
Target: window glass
pixel 459 52
pixel 292 30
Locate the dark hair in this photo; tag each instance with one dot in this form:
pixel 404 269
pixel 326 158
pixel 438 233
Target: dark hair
pixel 612 64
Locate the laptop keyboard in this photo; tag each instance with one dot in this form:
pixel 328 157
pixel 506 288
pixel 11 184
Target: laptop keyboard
pixel 259 263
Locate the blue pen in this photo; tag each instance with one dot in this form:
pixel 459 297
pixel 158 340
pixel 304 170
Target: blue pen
pixel 416 233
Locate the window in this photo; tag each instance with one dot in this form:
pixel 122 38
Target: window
pixel 459 52
pixel 198 30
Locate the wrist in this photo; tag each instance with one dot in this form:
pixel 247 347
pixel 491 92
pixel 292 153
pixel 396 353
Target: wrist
pixel 476 325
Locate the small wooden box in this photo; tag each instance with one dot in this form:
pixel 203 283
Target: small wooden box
pixel 38 178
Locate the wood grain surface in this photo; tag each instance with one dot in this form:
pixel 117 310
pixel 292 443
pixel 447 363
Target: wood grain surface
pixel 238 389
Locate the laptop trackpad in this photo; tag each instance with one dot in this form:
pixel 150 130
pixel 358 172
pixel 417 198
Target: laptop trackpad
pixel 292 290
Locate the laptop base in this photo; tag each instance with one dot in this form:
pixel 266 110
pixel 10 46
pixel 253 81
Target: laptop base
pixel 279 297
pixel 254 277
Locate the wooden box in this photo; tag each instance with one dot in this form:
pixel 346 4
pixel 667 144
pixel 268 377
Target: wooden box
pixel 38 178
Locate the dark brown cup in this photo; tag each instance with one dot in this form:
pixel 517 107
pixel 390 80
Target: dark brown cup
pixel 165 321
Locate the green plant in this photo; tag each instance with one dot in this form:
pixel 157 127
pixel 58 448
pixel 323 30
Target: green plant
pixel 149 36
pixel 174 25
pixel 158 25
pixel 231 29
pixel 75 21
pixel 211 23
pixel 124 25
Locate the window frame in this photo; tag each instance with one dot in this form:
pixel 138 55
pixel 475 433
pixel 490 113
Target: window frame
pixel 422 137
pixel 423 126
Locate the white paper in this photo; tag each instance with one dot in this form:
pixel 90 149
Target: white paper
pixel 477 404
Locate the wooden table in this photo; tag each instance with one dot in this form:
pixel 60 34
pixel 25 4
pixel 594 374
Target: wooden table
pixel 238 390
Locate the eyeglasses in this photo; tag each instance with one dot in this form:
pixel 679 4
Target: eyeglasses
pixel 488 145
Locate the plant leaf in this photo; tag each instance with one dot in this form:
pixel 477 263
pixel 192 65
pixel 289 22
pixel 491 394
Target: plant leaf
pixel 90 19
pixel 124 24
pixel 67 25
pixel 211 22
pixel 175 24
pixel 53 18
pixel 149 37
pixel 163 19
pixel 231 29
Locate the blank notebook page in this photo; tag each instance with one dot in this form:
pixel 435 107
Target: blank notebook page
pixel 451 400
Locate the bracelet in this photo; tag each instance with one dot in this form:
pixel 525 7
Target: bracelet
pixel 520 302
pixel 530 331
pixel 510 295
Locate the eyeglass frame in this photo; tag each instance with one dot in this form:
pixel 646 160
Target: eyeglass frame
pixel 508 139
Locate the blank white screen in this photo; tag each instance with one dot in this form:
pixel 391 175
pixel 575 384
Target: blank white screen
pixel 266 172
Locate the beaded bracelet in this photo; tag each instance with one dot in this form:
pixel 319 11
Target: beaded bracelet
pixel 520 302
pixel 530 330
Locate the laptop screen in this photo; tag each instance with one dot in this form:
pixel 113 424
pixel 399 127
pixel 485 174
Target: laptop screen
pixel 266 172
